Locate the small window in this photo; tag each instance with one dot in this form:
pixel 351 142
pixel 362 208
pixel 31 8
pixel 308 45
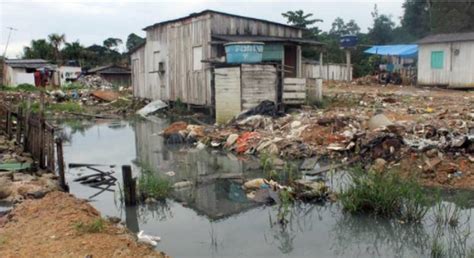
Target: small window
pixel 161 67
pixel 197 57
pixel 437 59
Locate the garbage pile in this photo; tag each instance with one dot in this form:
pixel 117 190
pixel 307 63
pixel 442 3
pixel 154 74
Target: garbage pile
pixel 94 81
pixel 378 129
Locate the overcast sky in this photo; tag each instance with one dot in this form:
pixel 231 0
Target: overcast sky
pixel 91 22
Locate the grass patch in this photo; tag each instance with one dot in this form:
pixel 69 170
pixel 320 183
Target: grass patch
pixel 437 250
pixel 64 107
pixel 384 195
pixel 74 86
pixel 152 186
pixel 96 226
pixel 24 87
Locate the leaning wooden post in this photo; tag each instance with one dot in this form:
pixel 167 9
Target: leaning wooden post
pixel 19 125
pixel 60 157
pixel 129 187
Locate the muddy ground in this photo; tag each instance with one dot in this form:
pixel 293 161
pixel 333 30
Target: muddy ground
pixel 57 226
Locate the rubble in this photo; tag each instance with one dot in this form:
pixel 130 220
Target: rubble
pixel 94 81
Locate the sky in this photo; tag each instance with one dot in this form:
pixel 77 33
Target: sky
pixel 91 22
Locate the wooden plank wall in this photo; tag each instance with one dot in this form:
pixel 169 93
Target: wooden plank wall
pixel 228 93
pixel 138 72
pixel 336 72
pixel 294 90
pixel 259 83
pixel 224 24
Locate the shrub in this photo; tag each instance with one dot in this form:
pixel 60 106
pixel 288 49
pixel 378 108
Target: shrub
pixel 384 195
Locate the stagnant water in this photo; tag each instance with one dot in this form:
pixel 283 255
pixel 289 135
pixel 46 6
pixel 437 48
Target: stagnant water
pixel 215 219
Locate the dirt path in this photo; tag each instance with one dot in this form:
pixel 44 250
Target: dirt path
pixel 60 225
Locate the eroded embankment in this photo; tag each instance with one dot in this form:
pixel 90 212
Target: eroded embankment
pixel 60 225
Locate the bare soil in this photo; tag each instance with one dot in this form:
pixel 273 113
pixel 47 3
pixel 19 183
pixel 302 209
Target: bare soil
pixel 48 228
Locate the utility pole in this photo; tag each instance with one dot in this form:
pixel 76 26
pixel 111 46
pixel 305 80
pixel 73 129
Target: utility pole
pixel 8 40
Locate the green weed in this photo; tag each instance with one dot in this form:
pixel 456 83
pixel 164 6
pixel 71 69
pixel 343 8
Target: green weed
pixel 437 250
pixel 151 186
pixel 74 86
pixel 96 226
pixel 384 195
pixel 24 87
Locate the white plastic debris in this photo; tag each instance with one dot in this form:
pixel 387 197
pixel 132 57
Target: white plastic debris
pixel 152 240
pixel 152 107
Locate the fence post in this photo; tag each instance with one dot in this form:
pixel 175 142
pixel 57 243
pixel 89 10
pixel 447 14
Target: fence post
pixel 19 125
pixel 9 124
pixel 62 178
pixel 129 186
pixel 41 141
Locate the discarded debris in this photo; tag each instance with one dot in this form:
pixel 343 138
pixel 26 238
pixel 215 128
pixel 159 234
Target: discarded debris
pixel 152 107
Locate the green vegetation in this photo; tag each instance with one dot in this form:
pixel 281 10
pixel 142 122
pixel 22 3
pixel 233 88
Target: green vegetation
pixel 151 186
pixel 54 107
pixel 437 250
pixel 384 195
pixel 96 226
pixel 24 87
pixel 286 174
pixel 73 86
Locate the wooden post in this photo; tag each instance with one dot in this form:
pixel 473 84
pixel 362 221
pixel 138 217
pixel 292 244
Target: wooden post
pixel 9 124
pixel 60 157
pixel 348 65
pixel 129 187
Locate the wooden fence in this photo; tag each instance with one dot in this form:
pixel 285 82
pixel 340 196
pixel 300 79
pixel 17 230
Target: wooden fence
pixel 37 136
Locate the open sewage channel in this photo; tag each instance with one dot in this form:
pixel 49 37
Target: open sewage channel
pixel 214 218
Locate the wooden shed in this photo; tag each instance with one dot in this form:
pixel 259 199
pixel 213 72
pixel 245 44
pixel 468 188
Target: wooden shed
pixel 447 60
pixel 179 57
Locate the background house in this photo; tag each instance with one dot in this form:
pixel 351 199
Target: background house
pixel 18 71
pixel 447 60
pixel 117 75
pixel 179 57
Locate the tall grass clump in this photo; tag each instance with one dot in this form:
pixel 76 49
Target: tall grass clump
pixel 384 195
pixel 95 226
pixel 152 186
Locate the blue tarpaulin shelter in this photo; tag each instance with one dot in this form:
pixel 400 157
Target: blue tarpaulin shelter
pixel 408 51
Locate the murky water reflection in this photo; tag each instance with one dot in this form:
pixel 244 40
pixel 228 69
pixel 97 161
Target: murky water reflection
pixel 214 219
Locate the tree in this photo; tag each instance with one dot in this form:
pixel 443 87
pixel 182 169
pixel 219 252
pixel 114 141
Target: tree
pixel 339 28
pixel 133 40
pixel 112 43
pixel 39 48
pixel 56 40
pixel 415 18
pixel 301 20
pixel 382 30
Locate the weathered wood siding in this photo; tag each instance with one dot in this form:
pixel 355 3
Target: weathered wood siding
pixel 259 83
pixel 230 25
pixel 294 90
pixel 138 72
pixel 336 72
pixel 228 93
pixel 172 45
pixel 457 71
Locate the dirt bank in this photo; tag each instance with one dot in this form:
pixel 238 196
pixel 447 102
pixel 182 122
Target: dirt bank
pixel 57 226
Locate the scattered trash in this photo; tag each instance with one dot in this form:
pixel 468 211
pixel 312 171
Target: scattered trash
pixel 149 239
pixel 182 184
pixel 266 107
pixel 152 107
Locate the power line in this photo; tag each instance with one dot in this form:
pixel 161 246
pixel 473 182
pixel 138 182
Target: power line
pixel 8 40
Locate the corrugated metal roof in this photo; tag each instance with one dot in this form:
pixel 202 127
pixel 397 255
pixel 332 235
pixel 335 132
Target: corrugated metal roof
pixel 451 37
pixel 29 63
pixel 256 38
pixel 407 50
pixel 217 12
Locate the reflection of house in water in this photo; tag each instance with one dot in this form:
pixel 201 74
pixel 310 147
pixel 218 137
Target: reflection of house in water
pixel 215 198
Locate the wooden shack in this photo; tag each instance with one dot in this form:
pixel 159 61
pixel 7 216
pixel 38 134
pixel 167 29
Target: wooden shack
pixel 179 56
pixel 115 74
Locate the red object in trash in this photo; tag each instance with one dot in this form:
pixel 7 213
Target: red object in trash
pixel 244 139
pixel 37 76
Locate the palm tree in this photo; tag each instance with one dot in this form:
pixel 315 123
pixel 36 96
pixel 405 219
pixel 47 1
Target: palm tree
pixel 112 43
pixel 56 41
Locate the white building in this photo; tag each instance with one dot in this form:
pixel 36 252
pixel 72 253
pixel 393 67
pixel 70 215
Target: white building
pixel 18 71
pixel 447 60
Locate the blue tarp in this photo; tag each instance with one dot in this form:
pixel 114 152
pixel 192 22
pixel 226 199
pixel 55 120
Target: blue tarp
pixel 394 50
